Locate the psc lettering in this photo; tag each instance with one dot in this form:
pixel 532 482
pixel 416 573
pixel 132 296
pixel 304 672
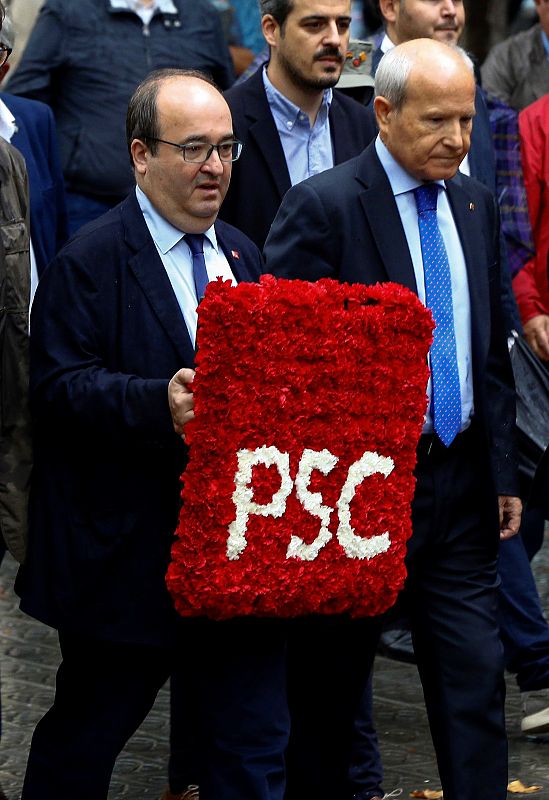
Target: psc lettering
pixel 370 463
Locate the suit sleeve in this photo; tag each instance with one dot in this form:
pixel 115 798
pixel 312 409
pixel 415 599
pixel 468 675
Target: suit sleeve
pixel 500 385
pixel 302 242
pixel 73 347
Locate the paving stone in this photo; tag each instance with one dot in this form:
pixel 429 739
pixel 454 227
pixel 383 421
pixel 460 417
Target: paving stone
pixel 29 656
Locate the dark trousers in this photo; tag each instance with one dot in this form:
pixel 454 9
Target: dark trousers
pixel 329 663
pixel 450 601
pixel 524 629
pixel 451 598
pixel 104 691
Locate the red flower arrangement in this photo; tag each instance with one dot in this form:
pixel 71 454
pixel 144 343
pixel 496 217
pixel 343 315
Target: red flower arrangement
pixel 309 401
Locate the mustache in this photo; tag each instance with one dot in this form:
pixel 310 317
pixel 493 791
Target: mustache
pixel 448 26
pixel 330 52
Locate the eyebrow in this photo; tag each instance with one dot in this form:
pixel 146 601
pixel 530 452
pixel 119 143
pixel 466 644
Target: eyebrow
pixel 321 17
pixel 201 138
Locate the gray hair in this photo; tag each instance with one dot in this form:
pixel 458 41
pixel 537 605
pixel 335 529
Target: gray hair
pixel 278 9
pixel 142 115
pixel 391 78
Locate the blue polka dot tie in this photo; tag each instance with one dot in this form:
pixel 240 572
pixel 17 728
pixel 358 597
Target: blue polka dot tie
pixel 200 274
pixel 446 398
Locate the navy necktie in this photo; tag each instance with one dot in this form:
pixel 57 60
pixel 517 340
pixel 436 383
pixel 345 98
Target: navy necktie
pixel 446 398
pixel 200 273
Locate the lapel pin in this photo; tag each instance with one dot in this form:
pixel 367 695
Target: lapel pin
pixel 471 206
pixel 235 254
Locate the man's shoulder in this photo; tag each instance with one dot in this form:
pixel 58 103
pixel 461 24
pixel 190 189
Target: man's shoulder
pixel 240 93
pixel 28 111
pixel 516 47
pixel 349 106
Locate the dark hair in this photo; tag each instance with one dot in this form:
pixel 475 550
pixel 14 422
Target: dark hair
pixel 278 9
pixel 142 116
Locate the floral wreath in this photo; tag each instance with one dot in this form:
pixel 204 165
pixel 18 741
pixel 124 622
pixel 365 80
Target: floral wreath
pixel 309 401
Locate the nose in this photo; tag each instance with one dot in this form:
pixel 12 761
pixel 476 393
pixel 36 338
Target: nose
pixel 332 35
pixel 454 135
pixel 213 164
pixel 449 8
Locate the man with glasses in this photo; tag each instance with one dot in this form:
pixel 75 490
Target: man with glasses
pixel 113 337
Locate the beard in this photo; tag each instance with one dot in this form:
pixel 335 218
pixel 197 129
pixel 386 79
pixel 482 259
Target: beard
pixel 312 83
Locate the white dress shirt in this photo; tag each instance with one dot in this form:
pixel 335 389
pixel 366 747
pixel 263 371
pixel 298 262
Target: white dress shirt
pixel 177 259
pixel 403 186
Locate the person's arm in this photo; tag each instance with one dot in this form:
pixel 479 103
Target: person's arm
pixel 302 242
pixel 74 343
pixel 43 55
pixel 496 73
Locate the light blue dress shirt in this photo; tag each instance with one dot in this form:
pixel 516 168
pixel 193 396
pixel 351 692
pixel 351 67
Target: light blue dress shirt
pixel 307 150
pixel 177 259
pixel 403 186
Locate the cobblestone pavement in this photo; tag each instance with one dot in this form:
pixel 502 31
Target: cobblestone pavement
pixel 29 657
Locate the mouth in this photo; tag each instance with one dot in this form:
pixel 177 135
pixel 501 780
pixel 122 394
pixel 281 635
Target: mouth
pixel 211 186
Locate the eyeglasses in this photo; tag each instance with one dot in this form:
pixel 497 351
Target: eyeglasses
pixel 199 152
pixel 5 53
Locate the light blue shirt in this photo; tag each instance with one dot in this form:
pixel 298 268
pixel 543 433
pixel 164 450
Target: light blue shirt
pixel 545 41
pixel 307 150
pixel 177 259
pixel 403 186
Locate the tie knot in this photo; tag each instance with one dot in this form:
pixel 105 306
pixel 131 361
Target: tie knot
pixel 195 242
pixel 426 197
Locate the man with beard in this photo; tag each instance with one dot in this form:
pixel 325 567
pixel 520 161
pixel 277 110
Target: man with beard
pixel 293 124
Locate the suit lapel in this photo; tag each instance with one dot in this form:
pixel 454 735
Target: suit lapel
pixel 262 130
pixel 149 271
pixel 235 257
pixel 383 217
pixel 468 224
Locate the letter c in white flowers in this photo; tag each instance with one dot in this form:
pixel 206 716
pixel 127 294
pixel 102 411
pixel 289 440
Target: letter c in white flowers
pixel 354 546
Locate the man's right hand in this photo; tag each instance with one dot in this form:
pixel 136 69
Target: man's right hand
pixel 536 333
pixel 181 400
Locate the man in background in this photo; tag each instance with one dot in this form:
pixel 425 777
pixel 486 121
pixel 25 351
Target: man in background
pixel 292 121
pixel 517 70
pixel 85 59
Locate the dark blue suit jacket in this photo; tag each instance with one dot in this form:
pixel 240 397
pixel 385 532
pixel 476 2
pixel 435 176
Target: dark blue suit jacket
pixel 260 178
pixel 344 224
pixel 36 139
pixel 482 164
pixel 107 334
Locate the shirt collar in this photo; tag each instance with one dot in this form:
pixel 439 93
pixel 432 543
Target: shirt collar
pixel 7 122
pixel 400 180
pixel 163 6
pixel 287 110
pixel 164 234
pixel 386 44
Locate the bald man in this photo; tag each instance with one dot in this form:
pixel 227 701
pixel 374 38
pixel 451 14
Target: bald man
pixel 386 205
pixel 113 337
